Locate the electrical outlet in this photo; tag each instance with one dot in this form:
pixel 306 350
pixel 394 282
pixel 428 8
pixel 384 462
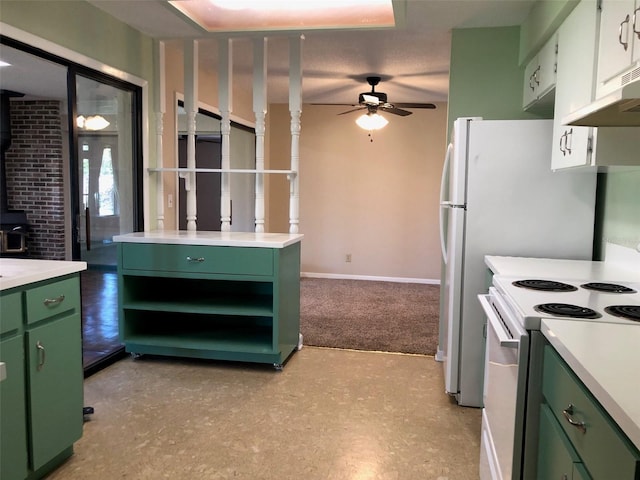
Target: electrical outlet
pixel 348 258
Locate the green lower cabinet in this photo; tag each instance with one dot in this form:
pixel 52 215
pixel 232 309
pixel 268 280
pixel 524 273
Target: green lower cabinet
pixel 55 388
pixel 13 429
pixel 41 398
pixel 578 439
pixel 556 457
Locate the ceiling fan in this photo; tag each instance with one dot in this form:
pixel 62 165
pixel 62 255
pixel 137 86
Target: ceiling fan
pixel 373 101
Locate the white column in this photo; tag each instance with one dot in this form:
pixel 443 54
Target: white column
pixel 260 110
pixel 295 108
pixel 191 107
pixel 160 109
pixel 225 96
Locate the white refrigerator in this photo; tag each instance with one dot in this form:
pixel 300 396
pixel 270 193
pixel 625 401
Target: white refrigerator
pixel 499 197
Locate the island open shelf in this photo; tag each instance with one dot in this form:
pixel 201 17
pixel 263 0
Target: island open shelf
pixel 205 297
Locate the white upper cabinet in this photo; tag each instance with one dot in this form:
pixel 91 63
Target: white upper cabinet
pixel 619 48
pixel 540 76
pixel 575 146
pixel 574 86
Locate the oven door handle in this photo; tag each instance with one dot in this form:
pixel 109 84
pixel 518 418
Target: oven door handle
pixel 505 339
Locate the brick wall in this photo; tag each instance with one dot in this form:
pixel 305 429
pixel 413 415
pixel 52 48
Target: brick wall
pixel 34 169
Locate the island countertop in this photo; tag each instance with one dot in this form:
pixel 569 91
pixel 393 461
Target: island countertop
pixel 225 239
pixel 16 272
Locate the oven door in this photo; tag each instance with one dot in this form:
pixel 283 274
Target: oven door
pixel 506 357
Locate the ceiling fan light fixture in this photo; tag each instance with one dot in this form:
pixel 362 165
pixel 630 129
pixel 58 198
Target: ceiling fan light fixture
pixel 371 121
pixel 94 122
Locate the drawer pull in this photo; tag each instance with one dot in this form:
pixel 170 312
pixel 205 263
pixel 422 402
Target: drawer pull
pixel 53 301
pixel 568 414
pixel 195 259
pixel 41 355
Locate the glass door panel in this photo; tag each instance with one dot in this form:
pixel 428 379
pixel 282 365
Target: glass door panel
pixel 105 128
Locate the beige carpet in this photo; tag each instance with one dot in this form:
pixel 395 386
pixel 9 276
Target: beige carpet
pixel 366 315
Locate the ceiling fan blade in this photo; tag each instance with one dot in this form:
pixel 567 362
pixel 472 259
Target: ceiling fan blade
pixel 370 99
pixel 353 110
pixel 396 111
pixel 415 105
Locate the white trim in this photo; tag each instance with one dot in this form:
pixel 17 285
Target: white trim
pixel 215 110
pixel 428 281
pixel 63 52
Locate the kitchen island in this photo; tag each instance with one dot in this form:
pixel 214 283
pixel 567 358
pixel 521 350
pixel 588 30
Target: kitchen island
pixel 41 393
pixel 216 295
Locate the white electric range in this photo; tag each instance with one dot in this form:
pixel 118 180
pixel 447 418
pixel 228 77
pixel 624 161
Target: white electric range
pixel 514 308
pixel 531 299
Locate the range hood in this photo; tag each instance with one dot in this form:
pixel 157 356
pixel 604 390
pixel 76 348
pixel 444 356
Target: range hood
pixel 620 108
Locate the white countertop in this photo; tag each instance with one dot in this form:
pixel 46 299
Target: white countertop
pixel 225 239
pixel 560 269
pixel 606 358
pixel 16 272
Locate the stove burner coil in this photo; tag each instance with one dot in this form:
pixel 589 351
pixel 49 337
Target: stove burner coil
pixel 607 287
pixel 545 285
pixel 630 312
pixel 566 310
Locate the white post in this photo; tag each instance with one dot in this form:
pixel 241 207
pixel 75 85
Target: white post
pixel 191 107
pixel 160 109
pixel 295 108
pixel 225 96
pixel 260 110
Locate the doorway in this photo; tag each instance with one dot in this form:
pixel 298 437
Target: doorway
pixel 96 194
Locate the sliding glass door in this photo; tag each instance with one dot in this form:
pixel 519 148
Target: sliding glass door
pixel 106 166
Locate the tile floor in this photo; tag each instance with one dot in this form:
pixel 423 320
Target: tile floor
pixel 330 414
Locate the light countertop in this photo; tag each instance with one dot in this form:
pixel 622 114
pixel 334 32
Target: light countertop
pixel 225 239
pixel 16 272
pixel 606 358
pixel 560 269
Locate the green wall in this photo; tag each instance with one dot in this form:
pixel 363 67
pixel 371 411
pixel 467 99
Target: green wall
pixel 618 209
pixel 486 78
pixel 83 28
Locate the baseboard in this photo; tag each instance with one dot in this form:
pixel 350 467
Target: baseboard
pixel 372 278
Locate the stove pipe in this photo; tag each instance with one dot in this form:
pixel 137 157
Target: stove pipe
pixel 5 143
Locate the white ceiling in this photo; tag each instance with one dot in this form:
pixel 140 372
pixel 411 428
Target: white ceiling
pixel 412 59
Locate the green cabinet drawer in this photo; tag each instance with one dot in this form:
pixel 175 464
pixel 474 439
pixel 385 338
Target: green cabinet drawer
pixel 556 456
pixel 52 299
pixel 197 259
pixel 10 312
pixel 602 446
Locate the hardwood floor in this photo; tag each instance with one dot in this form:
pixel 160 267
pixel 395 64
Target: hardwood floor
pixel 100 344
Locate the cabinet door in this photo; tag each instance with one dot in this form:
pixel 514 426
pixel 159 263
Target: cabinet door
pixel 54 358
pixel 556 456
pixel 13 420
pixel 547 59
pixel 574 84
pixel 636 33
pixel 616 31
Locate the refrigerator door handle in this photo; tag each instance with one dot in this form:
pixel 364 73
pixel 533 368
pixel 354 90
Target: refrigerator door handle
pixel 444 203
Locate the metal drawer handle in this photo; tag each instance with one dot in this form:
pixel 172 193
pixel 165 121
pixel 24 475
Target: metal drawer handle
pixel 635 17
pixel 568 414
pixel 194 259
pixel 41 355
pixel 53 301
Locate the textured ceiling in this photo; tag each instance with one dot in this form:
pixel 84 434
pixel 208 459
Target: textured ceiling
pixel 412 59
